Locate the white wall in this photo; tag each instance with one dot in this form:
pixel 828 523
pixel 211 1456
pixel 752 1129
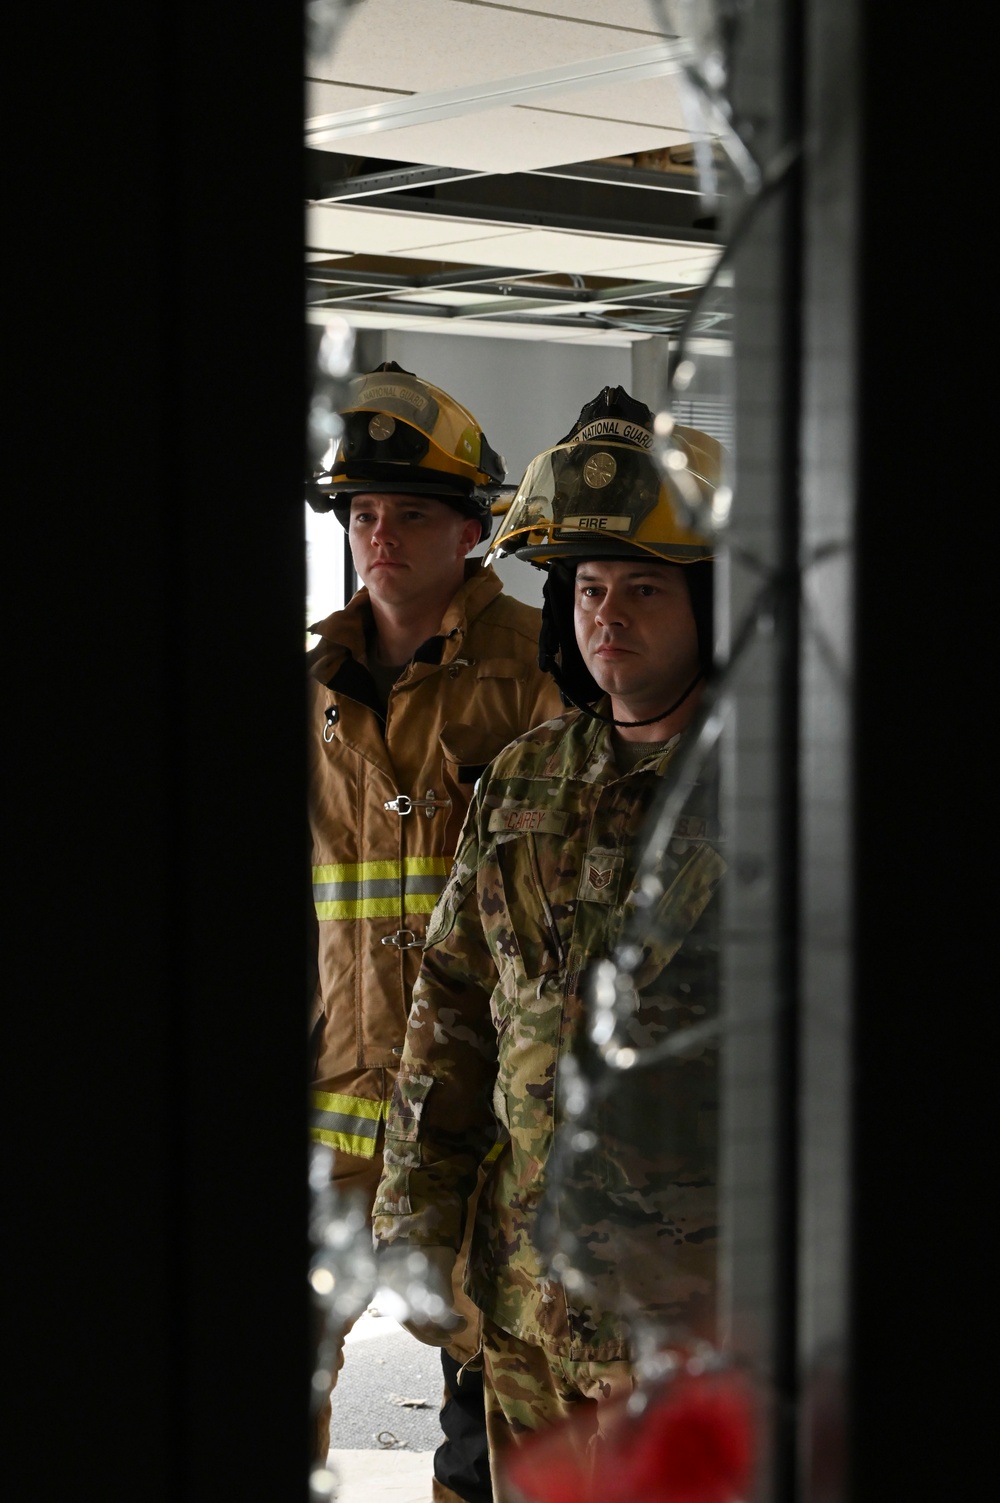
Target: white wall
pixel 325 545
pixel 526 394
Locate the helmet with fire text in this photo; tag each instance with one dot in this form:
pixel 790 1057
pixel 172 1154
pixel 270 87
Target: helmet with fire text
pixel 403 436
pixel 600 494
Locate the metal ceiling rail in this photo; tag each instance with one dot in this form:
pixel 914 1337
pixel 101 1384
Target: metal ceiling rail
pixel 628 290
pixel 624 177
pixel 472 276
pixel 487 281
pixel 392 180
pixel 500 307
pixel 572 318
pixel 656 61
pixel 495 307
pixel 399 179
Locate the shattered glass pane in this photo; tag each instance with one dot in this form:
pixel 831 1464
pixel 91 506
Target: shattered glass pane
pixel 688 1433
pixel 331 375
pixel 341 1269
pixel 697 393
pixel 710 27
pixel 323 18
pixel 631 1222
pixel 631 1215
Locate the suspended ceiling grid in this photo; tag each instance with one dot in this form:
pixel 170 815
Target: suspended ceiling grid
pixel 457 156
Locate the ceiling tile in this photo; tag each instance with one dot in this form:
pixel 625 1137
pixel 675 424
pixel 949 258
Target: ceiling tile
pixel 511 140
pixel 650 101
pixel 444 295
pixel 356 231
pixel 672 264
pixel 329 99
pixel 553 250
pixel 441 44
pixel 352 230
pixel 635 15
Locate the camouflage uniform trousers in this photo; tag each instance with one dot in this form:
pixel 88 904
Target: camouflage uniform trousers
pixel 529 1389
pixel 360 1177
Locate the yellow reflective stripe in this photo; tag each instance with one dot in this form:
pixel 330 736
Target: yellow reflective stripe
pixel 421 902
pixel 350 1123
pixel 353 1106
pixel 379 889
pixel 364 908
pixel 374 871
pixel 360 1148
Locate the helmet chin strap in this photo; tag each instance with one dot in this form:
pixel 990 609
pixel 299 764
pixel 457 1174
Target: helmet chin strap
pixel 610 719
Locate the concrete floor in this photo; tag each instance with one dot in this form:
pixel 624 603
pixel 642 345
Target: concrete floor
pixel 382 1450
pixel 382 1476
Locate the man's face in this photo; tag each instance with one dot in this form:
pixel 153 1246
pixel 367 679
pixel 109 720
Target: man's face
pixel 407 549
pixel 636 630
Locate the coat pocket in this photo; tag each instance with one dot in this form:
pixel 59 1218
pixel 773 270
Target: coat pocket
pixel 402 1130
pixel 467 749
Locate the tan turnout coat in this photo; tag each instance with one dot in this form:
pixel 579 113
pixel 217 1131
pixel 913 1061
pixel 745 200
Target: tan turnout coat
pixel 386 809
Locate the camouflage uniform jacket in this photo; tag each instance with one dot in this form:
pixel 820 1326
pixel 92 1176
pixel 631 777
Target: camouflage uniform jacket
pixel 540 888
pixel 388 792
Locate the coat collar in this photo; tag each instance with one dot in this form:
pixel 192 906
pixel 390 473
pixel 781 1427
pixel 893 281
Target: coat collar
pixel 597 762
pixel 344 632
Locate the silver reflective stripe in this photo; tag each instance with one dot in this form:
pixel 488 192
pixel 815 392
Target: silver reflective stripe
pixel 380 887
pixel 433 884
pixel 342 1122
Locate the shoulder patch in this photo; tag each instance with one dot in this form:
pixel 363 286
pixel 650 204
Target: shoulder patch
pixel 600 875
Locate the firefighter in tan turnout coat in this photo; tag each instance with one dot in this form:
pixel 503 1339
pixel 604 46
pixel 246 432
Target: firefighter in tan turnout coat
pixel 415 686
pixel 540 890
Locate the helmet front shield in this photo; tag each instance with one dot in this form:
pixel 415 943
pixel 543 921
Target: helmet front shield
pixel 402 435
pixel 596 499
pixel 391 411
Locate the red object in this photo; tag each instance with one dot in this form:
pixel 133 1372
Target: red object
pixel 693 1443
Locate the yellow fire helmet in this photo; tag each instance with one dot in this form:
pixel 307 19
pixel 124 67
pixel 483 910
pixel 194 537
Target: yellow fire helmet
pixel 600 493
pixel 404 436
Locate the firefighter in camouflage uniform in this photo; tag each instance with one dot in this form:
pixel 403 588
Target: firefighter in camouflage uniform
pixel 540 890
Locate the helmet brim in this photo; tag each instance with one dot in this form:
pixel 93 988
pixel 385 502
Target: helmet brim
pixel 476 508
pixel 600 499
pixel 543 554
